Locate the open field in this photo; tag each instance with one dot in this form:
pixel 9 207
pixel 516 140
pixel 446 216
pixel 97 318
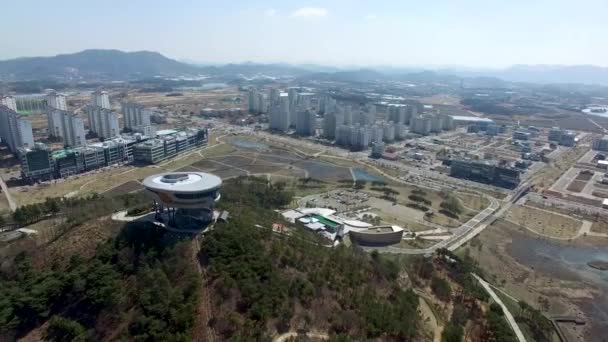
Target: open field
pixel 125 188
pixel 544 222
pixel 576 186
pixel 550 173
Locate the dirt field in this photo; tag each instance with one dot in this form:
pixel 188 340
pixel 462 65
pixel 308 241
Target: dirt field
pixel 600 225
pixel 576 186
pixel 584 176
pixel 544 222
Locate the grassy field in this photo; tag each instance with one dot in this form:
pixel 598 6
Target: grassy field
pixel 550 173
pixel 473 201
pixel 544 222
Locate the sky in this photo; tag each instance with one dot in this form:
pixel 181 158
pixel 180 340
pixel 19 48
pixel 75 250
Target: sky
pixel 471 33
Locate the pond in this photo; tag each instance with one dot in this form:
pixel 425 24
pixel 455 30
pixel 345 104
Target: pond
pixel 567 261
pixel 364 175
pixel 248 144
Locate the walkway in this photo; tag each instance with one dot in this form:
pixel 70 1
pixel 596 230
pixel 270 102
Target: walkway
pixel 9 198
pixel 505 310
pixel 286 336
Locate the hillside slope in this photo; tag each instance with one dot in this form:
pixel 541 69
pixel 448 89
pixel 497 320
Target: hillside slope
pixel 111 64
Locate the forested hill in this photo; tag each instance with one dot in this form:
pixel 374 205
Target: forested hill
pixel 100 64
pixel 100 280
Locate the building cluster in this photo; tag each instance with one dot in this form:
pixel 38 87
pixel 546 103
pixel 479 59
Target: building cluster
pixel 498 173
pixel 601 144
pixel 40 163
pixel 141 143
pixel 258 102
pixel 293 108
pixel 562 137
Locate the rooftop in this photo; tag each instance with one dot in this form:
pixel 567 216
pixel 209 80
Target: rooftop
pixel 470 118
pixel 183 182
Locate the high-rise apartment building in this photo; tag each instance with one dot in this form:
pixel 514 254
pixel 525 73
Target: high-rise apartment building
pixel 306 123
pixel 15 130
pixel 8 101
pixel 72 128
pixel 280 118
pixel 56 101
pixel 103 122
pixel 135 115
pixel 100 98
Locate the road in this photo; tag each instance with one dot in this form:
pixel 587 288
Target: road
pixel 508 316
pixel 9 198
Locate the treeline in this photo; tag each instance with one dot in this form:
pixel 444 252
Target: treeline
pixel 256 192
pixel 75 209
pixel 488 107
pixel 451 207
pixel 263 282
pixel 137 286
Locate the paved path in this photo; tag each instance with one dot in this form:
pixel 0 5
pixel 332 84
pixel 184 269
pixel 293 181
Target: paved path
pixel 286 336
pixel 505 310
pixel 9 198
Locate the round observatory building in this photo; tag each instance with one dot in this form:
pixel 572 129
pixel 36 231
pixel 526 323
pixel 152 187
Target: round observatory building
pixel 184 200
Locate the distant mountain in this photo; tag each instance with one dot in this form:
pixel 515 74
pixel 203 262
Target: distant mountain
pixel 583 74
pixel 104 64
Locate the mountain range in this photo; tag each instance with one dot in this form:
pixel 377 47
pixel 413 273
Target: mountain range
pixel 119 65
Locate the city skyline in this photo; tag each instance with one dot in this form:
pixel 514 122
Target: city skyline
pixel 468 33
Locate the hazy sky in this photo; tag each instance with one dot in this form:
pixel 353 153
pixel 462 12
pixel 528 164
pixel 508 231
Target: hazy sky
pixel 475 33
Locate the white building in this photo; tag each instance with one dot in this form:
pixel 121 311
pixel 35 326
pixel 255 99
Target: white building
pixel 331 121
pixel 274 97
pixel 56 100
pixel 292 101
pixel 55 125
pixel 400 130
pixel 388 132
pixel 436 123
pixel 100 98
pixel 135 115
pixel 9 102
pixel 258 102
pixel 376 133
pixel 420 124
pixel 72 127
pixel 306 123
pixel 327 105
pixel 280 118
pixel 15 130
pixel 397 113
pixel 412 112
pixel 360 137
pixel 103 122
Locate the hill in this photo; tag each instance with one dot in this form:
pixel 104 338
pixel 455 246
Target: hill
pixel 240 282
pixel 98 64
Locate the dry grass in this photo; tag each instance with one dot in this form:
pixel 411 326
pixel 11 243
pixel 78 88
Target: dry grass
pixel 544 222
